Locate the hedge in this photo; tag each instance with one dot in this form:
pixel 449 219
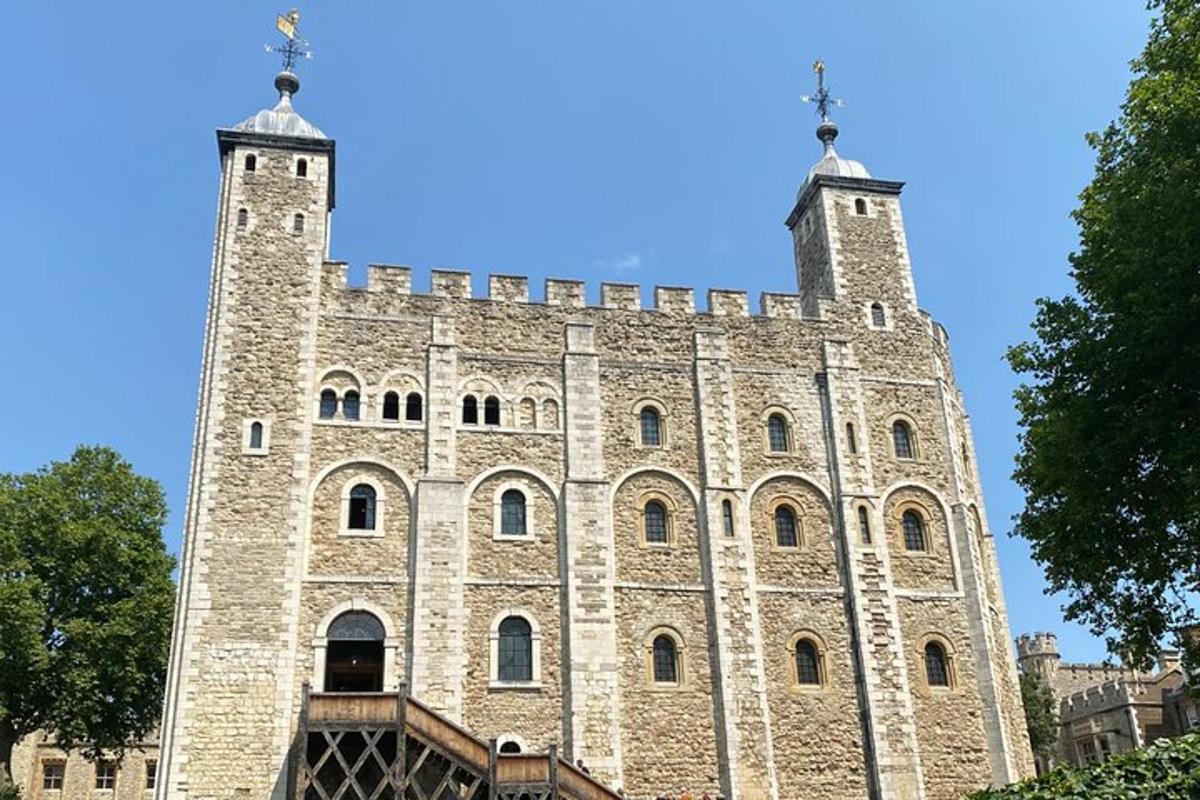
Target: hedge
pixel 1169 769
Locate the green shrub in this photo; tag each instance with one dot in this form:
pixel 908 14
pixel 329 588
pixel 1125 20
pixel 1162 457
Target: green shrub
pixel 1169 769
pixel 9 793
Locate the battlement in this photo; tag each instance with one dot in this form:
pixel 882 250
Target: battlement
pixel 672 300
pixel 1037 644
pixel 1110 694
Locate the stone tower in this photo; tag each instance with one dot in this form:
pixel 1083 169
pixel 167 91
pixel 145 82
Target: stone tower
pixel 1038 654
pixel 718 550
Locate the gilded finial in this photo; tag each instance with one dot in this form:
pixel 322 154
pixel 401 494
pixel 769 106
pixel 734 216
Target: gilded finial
pixel 827 131
pixel 296 46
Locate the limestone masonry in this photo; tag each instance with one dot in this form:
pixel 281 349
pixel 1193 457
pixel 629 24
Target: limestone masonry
pixel 708 548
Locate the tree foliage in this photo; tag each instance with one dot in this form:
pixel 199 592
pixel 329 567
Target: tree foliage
pixel 1169 769
pixel 86 600
pixel 1110 415
pixel 1041 714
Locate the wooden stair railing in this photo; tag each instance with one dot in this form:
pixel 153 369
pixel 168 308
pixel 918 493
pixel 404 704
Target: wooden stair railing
pixel 389 746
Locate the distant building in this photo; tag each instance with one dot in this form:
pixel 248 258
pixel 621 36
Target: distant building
pixel 43 771
pixel 1105 709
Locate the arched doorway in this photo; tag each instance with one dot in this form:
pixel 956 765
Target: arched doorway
pixel 354 659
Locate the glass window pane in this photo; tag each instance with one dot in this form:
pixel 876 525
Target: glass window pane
pixel 902 440
pixel 655 520
pixel 328 404
pixel 491 411
pixel 777 434
pixel 412 407
pixel 391 406
pixel 256 433
pixel 512 513
pixel 470 415
pixel 864 525
pixel 935 665
pixel 914 531
pixel 651 430
pixel 665 664
pixel 727 517
pixel 806 663
pixel 515 650
pixel 362 508
pixel 785 527
pixel 350 405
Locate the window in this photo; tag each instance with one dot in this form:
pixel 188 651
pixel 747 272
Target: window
pixel 302 168
pixel 878 318
pixel 851 441
pixel 106 775
pixel 491 410
pixel 902 439
pixel 527 416
pixel 412 407
pixel 516 650
pixel 328 403
pixel 654 519
pixel 914 531
pixel 727 517
pixel 785 527
pixel 256 436
pixel 151 774
pixel 251 162
pixel 298 224
pixel 510 748
pixel 350 405
pixel 549 415
pixel 864 525
pixel 512 513
pixel 362 508
pixel 391 406
pixel 860 207
pixel 243 218
pixel 777 433
pixel 356 653
pixel 937 670
pixel 470 415
pixel 651 423
pixel 808 672
pixel 665 660
pixel 52 774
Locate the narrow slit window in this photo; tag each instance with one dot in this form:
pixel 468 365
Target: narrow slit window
pixel 878 318
pixel 786 534
pixel 251 162
pixel 777 433
pixel 362 508
pixel 651 424
pixel 391 407
pixel 851 440
pixel 808 672
pixel 727 517
pixel 902 439
pixel 666 660
pixel 412 407
pixel 243 219
pixel 864 525
pixel 515 650
pixel 512 513
pixel 914 531
pixel 937 671
pixel 328 403
pixel 860 207
pixel 302 168
pixel 151 774
pixel 491 410
pixel 654 520
pixel 470 410
pixel 298 224
pixel 350 405
pixel 256 436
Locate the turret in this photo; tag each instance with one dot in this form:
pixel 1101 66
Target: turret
pixel 1037 654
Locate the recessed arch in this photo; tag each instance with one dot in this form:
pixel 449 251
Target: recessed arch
pixel 330 377
pixel 391 639
pixel 529 472
pixel 329 469
pixel 812 482
pixel 667 471
pixel 497 631
pixel 938 501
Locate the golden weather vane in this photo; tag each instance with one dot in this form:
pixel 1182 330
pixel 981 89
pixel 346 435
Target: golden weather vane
pixel 296 46
pixel 822 99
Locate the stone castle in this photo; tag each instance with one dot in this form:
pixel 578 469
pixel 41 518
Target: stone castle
pixel 730 552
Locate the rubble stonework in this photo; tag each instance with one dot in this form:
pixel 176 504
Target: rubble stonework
pixel 268 563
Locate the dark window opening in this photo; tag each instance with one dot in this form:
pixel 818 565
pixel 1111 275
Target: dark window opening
pixel 902 439
pixel 914 531
pixel 151 774
pixel 878 318
pixel 354 658
pixel 727 517
pixel 328 403
pixel 654 517
pixel 491 410
pixel 350 405
pixel 512 513
pixel 391 406
pixel 256 436
pixel 864 525
pixel 251 162
pixel 412 407
pixel 106 775
pixel 807 671
pixel 243 217
pixel 52 775
pixel 362 508
pixel 651 427
pixel 851 441
pixel 510 748
pixel 785 527
pixel 860 207
pixel 666 662
pixel 298 224
pixel 515 650
pixel 936 670
pixel 302 168
pixel 470 410
pixel 777 433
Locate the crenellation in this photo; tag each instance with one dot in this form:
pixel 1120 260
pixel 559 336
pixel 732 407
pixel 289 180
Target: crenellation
pixel 625 296
pixel 728 303
pixel 776 304
pixel 389 278
pixel 450 283
pixel 508 288
pixel 674 300
pixel 564 292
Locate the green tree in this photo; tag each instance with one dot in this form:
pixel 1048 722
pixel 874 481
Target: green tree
pixel 1110 446
pixel 86 601
pixel 1041 717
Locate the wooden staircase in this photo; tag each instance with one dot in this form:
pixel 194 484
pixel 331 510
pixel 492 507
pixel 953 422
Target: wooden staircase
pixel 388 746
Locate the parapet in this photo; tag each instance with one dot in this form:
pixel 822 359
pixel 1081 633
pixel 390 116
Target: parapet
pixel 679 301
pixel 1037 644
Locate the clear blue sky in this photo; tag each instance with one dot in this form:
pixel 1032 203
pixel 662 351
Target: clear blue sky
pixel 657 141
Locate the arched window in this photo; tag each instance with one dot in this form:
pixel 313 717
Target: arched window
pixel 362 508
pixel 864 525
pixel 251 162
pixel 510 748
pixel 350 405
pixel 298 224
pixel 902 439
pixel 666 659
pixel 878 318
pixel 391 406
pixel 549 415
pixel 808 671
pixel 937 669
pixel 516 650
pixel 654 522
pixel 860 206
pixel 470 415
pixel 302 168
pixel 354 655
pixel 412 407
pixel 914 531
pixel 727 517
pixel 785 527
pixel 651 424
pixel 851 440
pixel 777 433
pixel 256 435
pixel 527 413
pixel 512 513
pixel 491 410
pixel 243 218
pixel 328 403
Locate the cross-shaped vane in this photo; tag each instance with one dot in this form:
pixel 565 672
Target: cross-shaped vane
pixel 296 46
pixel 821 98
